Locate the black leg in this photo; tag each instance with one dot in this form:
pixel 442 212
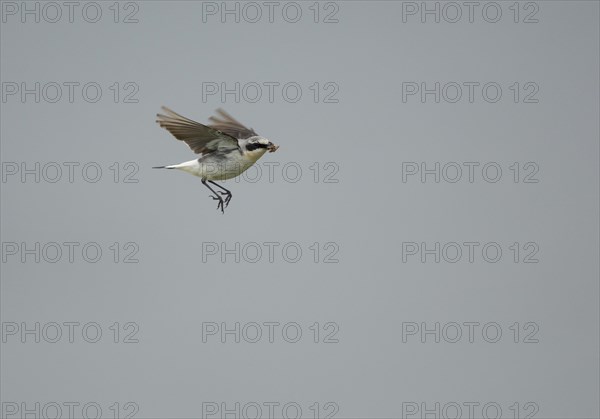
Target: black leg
pixel 215 197
pixel 227 192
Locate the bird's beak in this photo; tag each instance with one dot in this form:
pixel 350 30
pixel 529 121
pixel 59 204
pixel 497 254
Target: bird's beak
pixel 272 147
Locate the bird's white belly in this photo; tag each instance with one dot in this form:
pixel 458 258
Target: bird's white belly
pixel 220 168
pixel 224 170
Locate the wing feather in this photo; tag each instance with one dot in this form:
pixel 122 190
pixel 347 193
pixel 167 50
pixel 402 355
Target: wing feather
pixel 200 138
pixel 229 125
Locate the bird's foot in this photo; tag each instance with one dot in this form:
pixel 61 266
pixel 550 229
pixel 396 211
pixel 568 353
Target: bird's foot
pixel 227 196
pixel 220 204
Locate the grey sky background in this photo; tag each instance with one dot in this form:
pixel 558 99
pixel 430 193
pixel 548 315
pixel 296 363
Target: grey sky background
pixel 368 134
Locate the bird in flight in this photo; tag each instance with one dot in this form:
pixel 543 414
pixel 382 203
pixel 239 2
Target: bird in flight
pixel 226 147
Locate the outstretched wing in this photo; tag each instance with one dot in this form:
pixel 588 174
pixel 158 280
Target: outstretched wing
pixel 229 125
pixel 200 138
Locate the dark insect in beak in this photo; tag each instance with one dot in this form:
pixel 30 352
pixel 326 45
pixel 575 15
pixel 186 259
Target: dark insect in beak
pixel 272 147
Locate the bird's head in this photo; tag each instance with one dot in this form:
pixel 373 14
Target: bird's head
pixel 258 143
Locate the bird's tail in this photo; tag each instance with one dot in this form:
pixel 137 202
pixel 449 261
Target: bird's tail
pixel 164 167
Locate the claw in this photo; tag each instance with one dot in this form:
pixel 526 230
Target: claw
pixel 227 197
pixel 220 204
